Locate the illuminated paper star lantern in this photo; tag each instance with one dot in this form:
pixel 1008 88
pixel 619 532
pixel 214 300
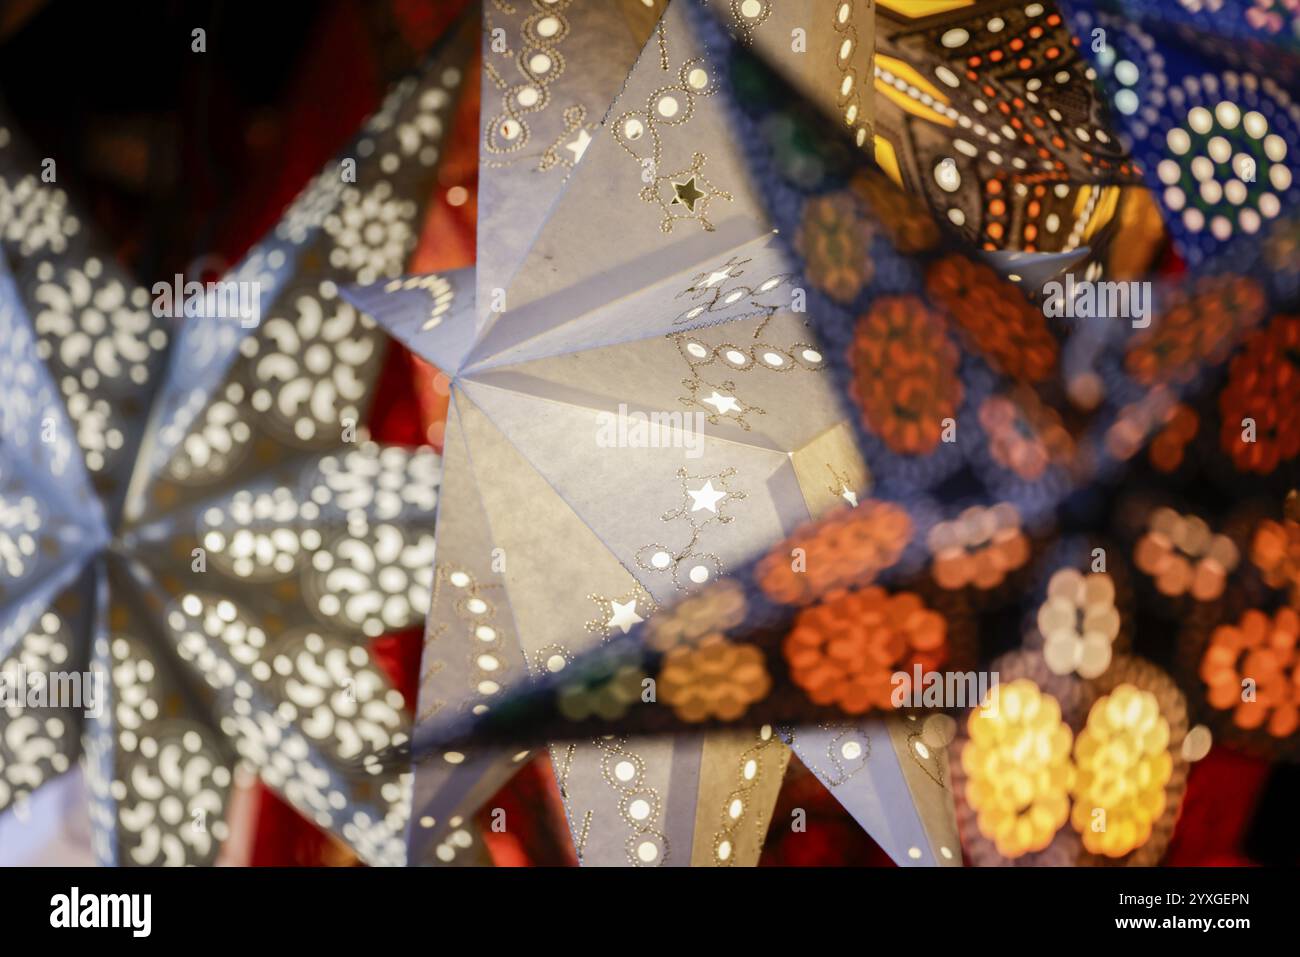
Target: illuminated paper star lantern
pixel 191 515
pixel 629 420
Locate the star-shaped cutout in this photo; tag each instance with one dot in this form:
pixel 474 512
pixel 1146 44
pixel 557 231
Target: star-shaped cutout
pixel 624 616
pixel 687 194
pixel 579 145
pixel 706 497
pixel 849 496
pixel 717 277
pixel 723 403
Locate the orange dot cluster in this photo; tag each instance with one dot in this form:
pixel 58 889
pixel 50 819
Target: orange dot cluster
pixel 846 650
pixel 1184 556
pixel 1198 328
pixel 905 376
pixel 1264 387
pixel 847 547
pixel 716 678
pixel 995 314
pixel 833 238
pixel 1276 553
pixel 979 547
pixel 907 222
pixel 1250 669
pixel 1025 436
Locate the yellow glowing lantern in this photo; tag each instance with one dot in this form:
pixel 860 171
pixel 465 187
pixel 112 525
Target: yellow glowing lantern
pixel 1018 768
pixel 1123 764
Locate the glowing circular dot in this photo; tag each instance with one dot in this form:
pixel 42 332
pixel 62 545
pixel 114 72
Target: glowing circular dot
pixel 697 350
pixel 698 79
pixel 528 96
pixel 811 355
pixel 539 63
pixel 660 559
pixel 668 106
pixel 1275 147
pixel 633 129
pixel 1280 177
pixel 735 356
pixel 1200 119
pixel 1228 115
pixel 851 750
pixel 750 769
pixel 954 38
pixel 914 853
pixel 699 574
pixel 625 771
pixel 647 852
pixel 1255 124
pixel 735 808
pixel 1126 72
pixel 639 809
pixel 1126 102
pixel 724 850
pixel 555 663
pixel 947 176
pixel 1196 744
pixel 1169 172
pixel 751 9
pixel 453 757
pixel 548 27
pixel 1193 219
pixel 1220 149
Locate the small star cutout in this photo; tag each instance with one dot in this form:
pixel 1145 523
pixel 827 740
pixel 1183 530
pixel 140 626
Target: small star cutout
pixel 687 194
pixel 716 277
pixel 849 496
pixel 579 145
pixel 706 497
pixel 624 616
pixel 723 403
